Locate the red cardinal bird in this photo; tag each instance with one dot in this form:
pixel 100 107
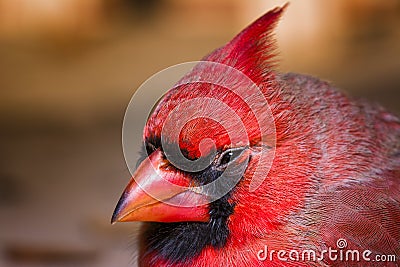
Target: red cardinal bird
pixel 334 183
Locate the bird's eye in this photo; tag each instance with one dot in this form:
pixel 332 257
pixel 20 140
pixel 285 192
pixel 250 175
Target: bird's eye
pixel 229 155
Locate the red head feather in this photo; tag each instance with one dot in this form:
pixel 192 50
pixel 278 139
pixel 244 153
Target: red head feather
pixel 251 53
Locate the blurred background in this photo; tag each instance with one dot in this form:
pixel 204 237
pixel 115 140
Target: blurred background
pixel 68 69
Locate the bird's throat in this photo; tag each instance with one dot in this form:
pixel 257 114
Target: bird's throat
pixel 184 241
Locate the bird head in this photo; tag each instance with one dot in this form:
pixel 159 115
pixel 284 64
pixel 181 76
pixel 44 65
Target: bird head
pixel 209 147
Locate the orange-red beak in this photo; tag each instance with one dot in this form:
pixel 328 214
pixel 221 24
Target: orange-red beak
pixel 158 193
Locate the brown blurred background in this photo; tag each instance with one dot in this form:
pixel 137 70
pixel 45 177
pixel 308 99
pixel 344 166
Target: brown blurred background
pixel 69 67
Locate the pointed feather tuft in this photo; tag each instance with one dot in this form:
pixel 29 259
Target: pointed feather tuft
pixel 253 50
